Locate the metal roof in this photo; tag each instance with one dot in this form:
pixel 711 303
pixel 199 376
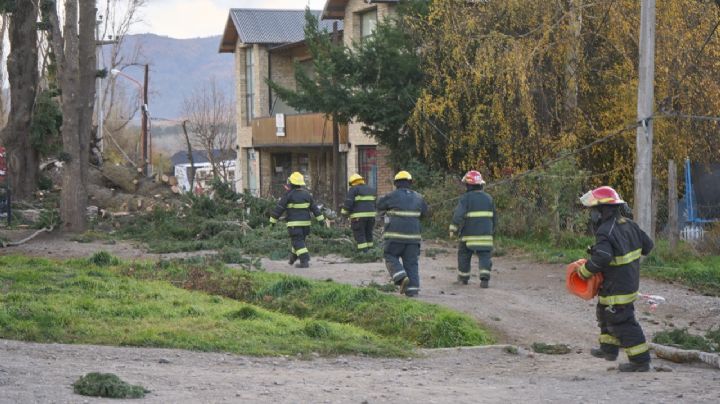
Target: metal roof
pixel 200 156
pixel 272 26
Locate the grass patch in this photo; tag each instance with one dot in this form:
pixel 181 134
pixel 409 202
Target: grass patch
pixel 550 349
pixel 683 265
pixel 561 251
pixel 107 385
pixel 216 309
pixel 422 324
pixel 681 338
pixel 77 302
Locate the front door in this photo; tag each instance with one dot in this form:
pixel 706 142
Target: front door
pixel 281 169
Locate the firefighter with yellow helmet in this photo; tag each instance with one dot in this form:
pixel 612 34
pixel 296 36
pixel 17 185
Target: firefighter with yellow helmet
pixel 474 220
pixel 297 204
pixel 360 207
pixel 619 244
pixel 403 208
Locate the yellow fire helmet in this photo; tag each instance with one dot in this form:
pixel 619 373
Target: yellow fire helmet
pixel 356 179
pixel 403 175
pixel 296 179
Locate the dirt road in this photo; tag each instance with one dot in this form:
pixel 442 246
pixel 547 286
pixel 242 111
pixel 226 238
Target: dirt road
pixel 526 303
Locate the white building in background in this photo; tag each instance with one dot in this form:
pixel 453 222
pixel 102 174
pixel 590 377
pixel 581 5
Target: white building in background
pixel 203 168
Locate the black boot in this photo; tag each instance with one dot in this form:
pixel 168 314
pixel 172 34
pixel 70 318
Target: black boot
pixel 292 259
pixel 484 283
pixel 303 264
pixel 599 353
pixel 462 280
pixel 404 283
pixel 634 367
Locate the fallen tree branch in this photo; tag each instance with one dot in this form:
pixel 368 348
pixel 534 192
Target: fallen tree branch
pixel 28 238
pixel 678 355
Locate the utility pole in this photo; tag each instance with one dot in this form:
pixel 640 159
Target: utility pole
pixel 645 109
pixel 145 135
pixel 673 231
pixel 99 43
pixel 336 141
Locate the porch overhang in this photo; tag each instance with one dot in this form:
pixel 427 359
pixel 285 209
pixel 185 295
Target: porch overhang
pixel 300 130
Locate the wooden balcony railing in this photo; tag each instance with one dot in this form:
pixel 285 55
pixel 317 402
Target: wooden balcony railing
pixel 300 130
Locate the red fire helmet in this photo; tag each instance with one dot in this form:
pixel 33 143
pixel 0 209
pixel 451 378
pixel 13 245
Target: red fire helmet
pixel 473 177
pixel 601 196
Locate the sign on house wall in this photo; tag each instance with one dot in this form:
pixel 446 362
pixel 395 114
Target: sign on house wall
pixel 280 124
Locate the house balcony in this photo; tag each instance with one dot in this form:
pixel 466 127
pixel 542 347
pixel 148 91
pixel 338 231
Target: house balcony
pixel 309 130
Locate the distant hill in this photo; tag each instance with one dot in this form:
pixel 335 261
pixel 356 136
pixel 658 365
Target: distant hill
pixel 177 66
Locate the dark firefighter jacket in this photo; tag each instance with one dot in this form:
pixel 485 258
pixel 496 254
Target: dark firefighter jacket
pixel 475 220
pixel 360 202
pixel 619 243
pixel 403 209
pixel 298 203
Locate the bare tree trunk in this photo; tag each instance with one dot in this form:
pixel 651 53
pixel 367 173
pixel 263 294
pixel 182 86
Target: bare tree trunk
pixel 23 76
pixel 3 30
pixel 77 82
pixel 87 57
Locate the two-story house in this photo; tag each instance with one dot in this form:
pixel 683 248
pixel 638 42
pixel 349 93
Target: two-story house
pixel 273 138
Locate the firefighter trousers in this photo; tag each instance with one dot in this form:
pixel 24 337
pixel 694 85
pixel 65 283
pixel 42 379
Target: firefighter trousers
pixel 465 256
pixel 297 240
pixel 362 229
pixel 620 329
pixel 401 260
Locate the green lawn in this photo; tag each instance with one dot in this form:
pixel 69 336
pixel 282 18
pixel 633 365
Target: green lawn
pixel 105 301
pixel 682 265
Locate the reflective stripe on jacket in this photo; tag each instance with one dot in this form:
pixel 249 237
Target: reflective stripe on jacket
pixel 475 220
pixel 618 247
pixel 403 208
pixel 360 202
pixel 297 203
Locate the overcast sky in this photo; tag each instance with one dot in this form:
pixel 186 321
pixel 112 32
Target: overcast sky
pixel 202 18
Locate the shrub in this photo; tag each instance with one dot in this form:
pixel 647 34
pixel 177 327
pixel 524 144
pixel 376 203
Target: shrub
pixel 681 338
pixel 103 259
pixel 107 385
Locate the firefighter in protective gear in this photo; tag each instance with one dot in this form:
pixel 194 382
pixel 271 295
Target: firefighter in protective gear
pixel 297 203
pixel 403 209
pixel 475 221
pixel 360 207
pixel 616 254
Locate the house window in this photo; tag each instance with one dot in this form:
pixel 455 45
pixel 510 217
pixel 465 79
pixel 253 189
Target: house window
pixel 367 164
pixel 368 22
pixel 249 85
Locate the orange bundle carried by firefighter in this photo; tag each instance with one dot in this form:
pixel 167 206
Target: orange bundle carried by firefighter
pixel 583 288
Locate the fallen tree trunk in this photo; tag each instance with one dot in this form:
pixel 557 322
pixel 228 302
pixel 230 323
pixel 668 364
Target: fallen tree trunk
pixel 678 355
pixel 120 177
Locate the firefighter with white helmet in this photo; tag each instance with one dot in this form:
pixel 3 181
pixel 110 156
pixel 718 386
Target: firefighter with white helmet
pixel 297 203
pixel 619 244
pixel 474 220
pixel 403 209
pixel 360 207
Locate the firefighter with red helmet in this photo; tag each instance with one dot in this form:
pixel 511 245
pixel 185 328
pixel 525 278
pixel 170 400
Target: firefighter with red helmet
pixel 616 254
pixel 474 220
